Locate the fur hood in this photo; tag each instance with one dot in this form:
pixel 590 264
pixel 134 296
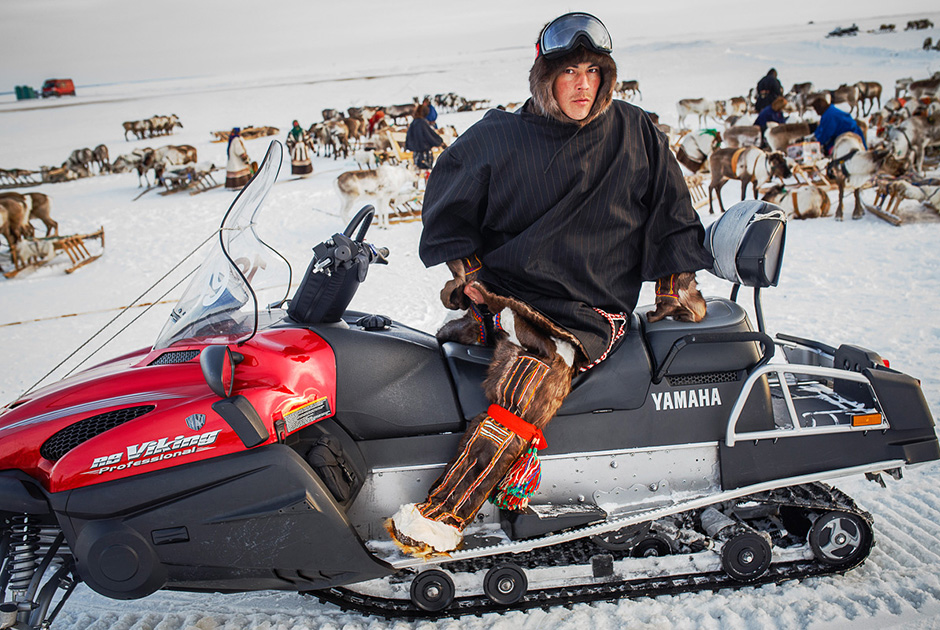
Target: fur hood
pixel 542 77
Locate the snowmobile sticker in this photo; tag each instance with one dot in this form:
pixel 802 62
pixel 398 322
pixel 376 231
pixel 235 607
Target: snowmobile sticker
pixel 686 399
pixel 153 451
pixel 308 414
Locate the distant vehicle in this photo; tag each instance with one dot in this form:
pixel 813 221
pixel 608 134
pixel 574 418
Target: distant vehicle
pixel 58 87
pixel 840 31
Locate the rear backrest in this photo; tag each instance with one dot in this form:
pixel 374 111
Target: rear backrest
pixel 747 243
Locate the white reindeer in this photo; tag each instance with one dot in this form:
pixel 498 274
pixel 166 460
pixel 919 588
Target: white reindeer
pixel 384 184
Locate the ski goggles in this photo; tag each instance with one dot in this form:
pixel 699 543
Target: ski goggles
pixel 565 33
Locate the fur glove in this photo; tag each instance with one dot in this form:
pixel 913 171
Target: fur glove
pixel 464 271
pixel 677 296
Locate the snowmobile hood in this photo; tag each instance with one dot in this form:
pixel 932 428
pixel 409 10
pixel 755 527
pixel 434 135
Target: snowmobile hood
pixel 155 409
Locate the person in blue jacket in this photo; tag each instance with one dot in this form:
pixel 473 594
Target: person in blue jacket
pixel 833 122
pixel 772 113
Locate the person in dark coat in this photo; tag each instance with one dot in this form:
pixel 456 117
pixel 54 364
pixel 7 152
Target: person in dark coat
pixel 768 88
pixel 772 113
pixel 833 122
pixel 550 219
pixel 421 139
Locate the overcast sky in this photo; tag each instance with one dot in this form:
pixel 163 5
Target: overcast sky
pixel 100 41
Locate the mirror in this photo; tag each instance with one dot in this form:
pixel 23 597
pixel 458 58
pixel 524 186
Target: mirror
pixel 218 368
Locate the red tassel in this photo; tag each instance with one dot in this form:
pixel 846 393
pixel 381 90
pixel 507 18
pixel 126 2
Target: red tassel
pixel 520 483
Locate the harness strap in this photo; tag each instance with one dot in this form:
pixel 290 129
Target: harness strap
pixel 734 159
pixel 528 432
pixel 796 206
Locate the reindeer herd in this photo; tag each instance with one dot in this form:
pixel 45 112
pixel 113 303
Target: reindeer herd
pixel 153 126
pixel 901 134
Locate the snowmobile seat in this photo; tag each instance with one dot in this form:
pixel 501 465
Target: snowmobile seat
pixel 721 316
pixel 621 381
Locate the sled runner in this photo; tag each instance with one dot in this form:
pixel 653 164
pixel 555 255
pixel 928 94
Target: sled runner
pixel 695 456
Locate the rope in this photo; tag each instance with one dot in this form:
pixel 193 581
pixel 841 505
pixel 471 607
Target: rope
pixel 115 318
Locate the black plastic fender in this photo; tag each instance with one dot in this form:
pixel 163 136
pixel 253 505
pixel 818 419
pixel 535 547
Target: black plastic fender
pixel 260 519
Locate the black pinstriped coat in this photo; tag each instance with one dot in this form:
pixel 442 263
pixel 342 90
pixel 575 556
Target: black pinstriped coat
pixel 564 218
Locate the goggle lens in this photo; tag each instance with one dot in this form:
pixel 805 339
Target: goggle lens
pixel 562 34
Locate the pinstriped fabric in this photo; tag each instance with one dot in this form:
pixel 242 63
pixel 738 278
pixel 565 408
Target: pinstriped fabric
pixel 564 218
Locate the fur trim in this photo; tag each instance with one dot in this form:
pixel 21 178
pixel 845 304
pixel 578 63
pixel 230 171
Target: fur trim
pixel 542 78
pixel 416 528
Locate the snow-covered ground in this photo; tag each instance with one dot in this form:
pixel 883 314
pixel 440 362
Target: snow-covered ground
pixel 864 282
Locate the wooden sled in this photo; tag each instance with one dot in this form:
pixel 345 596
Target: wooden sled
pixel 195 178
pixel 18 178
pixel 247 133
pixel 890 215
pixel 812 174
pixel 396 140
pixel 697 190
pixel 73 246
pixel 409 211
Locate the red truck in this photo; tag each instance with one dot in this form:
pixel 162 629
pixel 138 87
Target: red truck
pixel 58 87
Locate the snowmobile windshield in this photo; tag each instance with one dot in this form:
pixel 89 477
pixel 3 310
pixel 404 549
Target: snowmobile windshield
pixel 220 305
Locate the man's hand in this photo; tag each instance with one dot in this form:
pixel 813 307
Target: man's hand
pixel 677 296
pixel 464 271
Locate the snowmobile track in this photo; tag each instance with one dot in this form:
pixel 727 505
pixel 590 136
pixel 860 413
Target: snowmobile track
pixel 815 497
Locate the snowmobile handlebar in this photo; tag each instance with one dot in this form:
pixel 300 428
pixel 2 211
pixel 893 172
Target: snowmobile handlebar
pixel 767 347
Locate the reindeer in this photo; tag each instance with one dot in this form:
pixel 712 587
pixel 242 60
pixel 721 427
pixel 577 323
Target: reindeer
pixel 806 201
pixel 848 94
pixel 901 86
pixel 355 129
pixel 12 215
pixel 400 111
pixel 101 158
pixel 750 165
pixel 633 87
pixel 799 95
pixel 384 184
pixel 145 163
pixel 908 141
pixel 337 137
pixel 55 175
pixel 702 107
pixel 742 136
pixel 924 88
pixel 852 167
pixel 869 92
pixel 172 155
pixel 695 147
pixel 81 157
pixel 35 205
pixel 779 137
pixel 737 106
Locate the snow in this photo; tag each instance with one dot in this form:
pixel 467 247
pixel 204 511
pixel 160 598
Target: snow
pixel 217 65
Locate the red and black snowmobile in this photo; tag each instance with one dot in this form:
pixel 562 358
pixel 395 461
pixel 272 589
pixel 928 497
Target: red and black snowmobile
pixel 262 442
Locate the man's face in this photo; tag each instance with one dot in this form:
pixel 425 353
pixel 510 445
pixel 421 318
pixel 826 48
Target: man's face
pixel 575 89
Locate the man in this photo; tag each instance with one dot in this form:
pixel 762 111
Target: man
pixel 421 139
pixel 550 219
pixel 772 113
pixel 768 88
pixel 833 122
